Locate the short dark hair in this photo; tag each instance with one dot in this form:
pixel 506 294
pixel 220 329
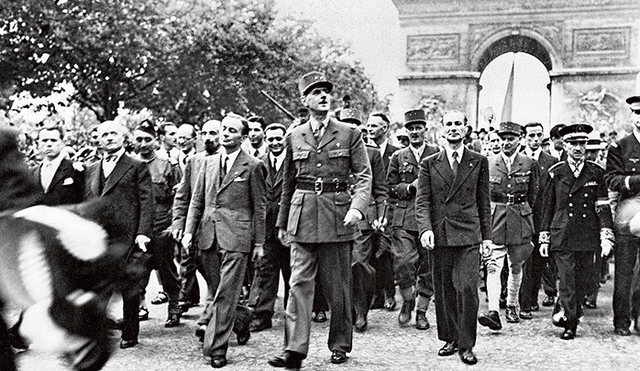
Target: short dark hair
pixel 162 128
pixel 382 116
pixel 276 126
pixel 532 125
pixel 554 133
pixel 56 127
pixel 259 119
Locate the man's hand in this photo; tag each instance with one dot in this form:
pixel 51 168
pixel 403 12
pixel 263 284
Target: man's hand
pixel 186 240
pixel 142 241
pixel 607 247
pixel 258 252
pixel 485 248
pixel 283 236
pixel 544 250
pixel 352 218
pixel 426 240
pixel 176 234
pixel 379 224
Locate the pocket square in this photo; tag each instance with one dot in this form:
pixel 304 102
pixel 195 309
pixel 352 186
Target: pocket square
pixel 239 180
pixel 67 181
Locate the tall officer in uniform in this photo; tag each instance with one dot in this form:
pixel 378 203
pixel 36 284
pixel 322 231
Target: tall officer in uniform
pixel 318 217
pixel 537 267
pixel 513 187
pixel 576 220
pixel 623 176
pixel 412 262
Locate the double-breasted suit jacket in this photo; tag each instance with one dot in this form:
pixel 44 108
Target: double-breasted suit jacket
pixel 184 191
pixel 66 187
pixel 230 211
pixel 512 194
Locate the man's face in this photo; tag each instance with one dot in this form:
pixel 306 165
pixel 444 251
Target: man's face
pixel 509 143
pixel 111 135
pixel 256 134
pixel 494 142
pixel 169 138
pixel 211 136
pixel 186 138
pixel 275 141
pixel 534 137
pixel 592 154
pixel 50 143
pixel 94 141
pixel 144 142
pixel 232 136
pixel 416 134
pixel 318 100
pixel 376 128
pixel 454 127
pixel 576 150
pixel 558 144
pixel 635 118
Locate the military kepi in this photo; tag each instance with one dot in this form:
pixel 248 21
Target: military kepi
pixel 576 133
pixel 147 127
pixel 634 102
pixel 509 127
pixel 312 80
pixel 415 116
pixel 351 115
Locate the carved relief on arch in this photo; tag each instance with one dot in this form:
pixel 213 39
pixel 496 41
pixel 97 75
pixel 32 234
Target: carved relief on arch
pixel 433 48
pixel 550 31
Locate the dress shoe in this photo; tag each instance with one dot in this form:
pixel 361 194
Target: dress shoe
pixel 361 324
pixel 185 305
pixel 502 303
pixel 161 298
pixel 143 314
pixel 621 331
pixel 172 321
pixel 511 314
pixel 535 307
pixel 124 344
pixel 422 323
pixel 448 349
pixel 404 317
pixel 491 319
pixel 390 304
pixel 526 315
pixel 258 325
pixel 218 361
pixel 287 359
pixel 200 331
pixel 320 317
pixel 568 334
pixel 549 301
pixel 243 336
pixel 467 356
pixel 590 304
pixel 338 357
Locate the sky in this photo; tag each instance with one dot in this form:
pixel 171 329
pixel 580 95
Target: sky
pixel 372 29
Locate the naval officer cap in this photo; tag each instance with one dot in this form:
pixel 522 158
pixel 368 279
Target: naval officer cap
pixel 509 127
pixel 312 80
pixel 576 133
pixel 416 116
pixel 634 102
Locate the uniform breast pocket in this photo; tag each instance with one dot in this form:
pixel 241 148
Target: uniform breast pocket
pixel 300 158
pixel 340 157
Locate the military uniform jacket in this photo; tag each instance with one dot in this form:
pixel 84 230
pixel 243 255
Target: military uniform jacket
pixel 456 208
pixel 165 175
pixel 67 185
pixel 403 181
pixel 623 169
pixel 311 217
pixel 512 222
pixel 545 161
pixel 575 209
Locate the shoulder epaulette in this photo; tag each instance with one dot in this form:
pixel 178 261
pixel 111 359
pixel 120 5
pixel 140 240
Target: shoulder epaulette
pixel 557 164
pixel 597 164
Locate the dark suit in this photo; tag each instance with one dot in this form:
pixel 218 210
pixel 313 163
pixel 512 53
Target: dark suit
pixel 458 211
pixel 129 188
pixel 66 187
pixel 623 176
pixel 228 215
pixel 264 288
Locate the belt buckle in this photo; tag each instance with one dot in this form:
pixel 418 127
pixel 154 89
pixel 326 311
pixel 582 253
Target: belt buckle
pixel 511 199
pixel 317 186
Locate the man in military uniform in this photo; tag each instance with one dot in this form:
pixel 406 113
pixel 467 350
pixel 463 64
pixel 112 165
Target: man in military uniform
pixel 411 261
pixel 513 186
pixel 576 220
pixel 318 217
pixel 623 176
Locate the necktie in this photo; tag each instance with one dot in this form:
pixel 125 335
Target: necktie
pixel 256 153
pixel 576 169
pixel 318 131
pixel 223 167
pixel 274 164
pixel 508 163
pixel 454 164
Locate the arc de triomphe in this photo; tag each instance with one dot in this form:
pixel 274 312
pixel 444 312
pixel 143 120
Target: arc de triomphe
pixel 591 49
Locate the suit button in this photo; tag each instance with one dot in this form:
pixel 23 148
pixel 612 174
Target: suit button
pixel 319 164
pixel 508 185
pixel 585 205
pixel 570 204
pixel 584 215
pixel 319 151
pixel 586 195
pixel 570 215
pixel 634 169
pixel 569 194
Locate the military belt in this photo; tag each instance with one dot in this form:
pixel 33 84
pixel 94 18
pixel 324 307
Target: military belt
pixel 320 186
pixel 508 199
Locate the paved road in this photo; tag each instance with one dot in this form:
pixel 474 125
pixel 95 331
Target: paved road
pixel 530 345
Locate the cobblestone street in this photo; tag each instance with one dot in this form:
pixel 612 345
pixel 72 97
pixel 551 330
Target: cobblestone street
pixel 529 345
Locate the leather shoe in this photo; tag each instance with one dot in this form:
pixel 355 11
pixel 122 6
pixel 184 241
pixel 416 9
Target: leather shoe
pixel 320 317
pixel 526 315
pixel 568 334
pixel 161 298
pixel 338 357
pixel 491 319
pixel 218 361
pixel 405 312
pixel 535 307
pixel 243 336
pixel 511 314
pixel 503 303
pixel 361 324
pixel 467 356
pixel 259 325
pixel 287 359
pixel 422 323
pixel 390 304
pixel 143 314
pixel 200 331
pixel 185 305
pixel 549 301
pixel 448 349
pixel 124 344
pixel 172 321
pixel 622 331
pixel 590 304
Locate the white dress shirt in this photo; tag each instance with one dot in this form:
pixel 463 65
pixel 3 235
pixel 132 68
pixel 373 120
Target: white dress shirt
pixel 48 170
pixel 108 166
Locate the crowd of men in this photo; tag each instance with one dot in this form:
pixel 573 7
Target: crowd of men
pixel 346 216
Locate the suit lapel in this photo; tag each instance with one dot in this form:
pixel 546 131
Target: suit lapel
pixel 443 168
pixel 307 135
pixel 464 169
pixel 123 165
pixel 59 174
pixel 500 165
pixel 583 178
pixel 517 164
pixel 236 170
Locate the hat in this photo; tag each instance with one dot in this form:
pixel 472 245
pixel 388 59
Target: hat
pixel 312 80
pixel 415 116
pixel 147 127
pixel 634 102
pixel 595 143
pixel 402 133
pixel 576 133
pixel 509 127
pixel 351 115
pixel 546 141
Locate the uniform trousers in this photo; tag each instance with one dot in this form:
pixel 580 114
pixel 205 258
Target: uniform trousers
pixel 516 256
pixel 227 315
pixel 162 250
pixel 382 262
pixel 413 264
pixel 626 253
pixel 537 268
pixel 264 288
pixel 331 261
pixel 455 278
pixel 575 269
pixel 364 275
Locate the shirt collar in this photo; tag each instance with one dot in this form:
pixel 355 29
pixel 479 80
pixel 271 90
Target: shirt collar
pixel 511 158
pixel 55 162
pixel 418 151
pixel 118 154
pixel 533 154
pixel 313 122
pixel 383 146
pixel 636 134
pixel 231 157
pixel 450 151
